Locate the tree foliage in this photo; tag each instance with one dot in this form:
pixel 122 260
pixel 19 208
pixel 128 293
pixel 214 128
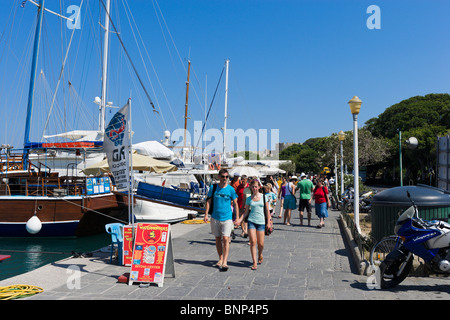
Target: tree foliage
pixel 422 117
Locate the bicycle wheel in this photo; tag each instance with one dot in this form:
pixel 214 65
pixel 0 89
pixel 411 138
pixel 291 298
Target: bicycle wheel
pixel 382 249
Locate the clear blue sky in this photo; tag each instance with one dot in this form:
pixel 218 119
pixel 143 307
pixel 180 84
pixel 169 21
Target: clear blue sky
pixel 294 64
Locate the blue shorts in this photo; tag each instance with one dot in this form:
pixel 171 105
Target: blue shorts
pixel 258 227
pixel 289 202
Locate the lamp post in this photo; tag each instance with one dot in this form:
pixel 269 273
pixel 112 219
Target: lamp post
pixel 355 106
pixel 400 152
pixel 341 137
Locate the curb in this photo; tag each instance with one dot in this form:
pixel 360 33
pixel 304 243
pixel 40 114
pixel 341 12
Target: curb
pixel 362 265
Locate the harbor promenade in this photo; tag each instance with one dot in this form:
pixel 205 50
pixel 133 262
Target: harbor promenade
pixel 300 263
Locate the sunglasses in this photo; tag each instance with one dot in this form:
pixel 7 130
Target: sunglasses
pixel 226 177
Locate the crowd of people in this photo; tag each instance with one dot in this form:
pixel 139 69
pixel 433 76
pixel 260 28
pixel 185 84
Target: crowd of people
pixel 249 204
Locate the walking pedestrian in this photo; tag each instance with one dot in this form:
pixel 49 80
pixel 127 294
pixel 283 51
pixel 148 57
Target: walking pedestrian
pixel 322 202
pixel 281 194
pixel 241 203
pixel 258 214
pixel 289 200
pixel 236 180
pixel 272 198
pixel 306 187
pixel 221 216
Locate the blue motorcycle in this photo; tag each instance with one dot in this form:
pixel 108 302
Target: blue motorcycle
pixel 429 240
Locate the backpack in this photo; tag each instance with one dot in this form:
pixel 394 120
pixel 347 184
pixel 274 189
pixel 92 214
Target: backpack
pixel 211 206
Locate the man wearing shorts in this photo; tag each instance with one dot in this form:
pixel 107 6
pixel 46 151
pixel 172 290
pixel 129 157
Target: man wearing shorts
pixel 306 187
pixel 222 216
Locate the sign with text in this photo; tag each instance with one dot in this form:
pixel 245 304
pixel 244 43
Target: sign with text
pixel 98 185
pixel 152 247
pixel 117 145
pixel 127 245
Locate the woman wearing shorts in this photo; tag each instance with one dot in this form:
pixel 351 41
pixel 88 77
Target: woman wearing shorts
pixel 257 214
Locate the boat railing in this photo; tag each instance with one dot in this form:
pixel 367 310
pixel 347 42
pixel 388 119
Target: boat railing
pixel 11 162
pixel 39 180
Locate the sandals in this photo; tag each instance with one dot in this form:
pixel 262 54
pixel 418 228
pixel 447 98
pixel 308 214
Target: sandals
pixel 224 268
pixel 254 268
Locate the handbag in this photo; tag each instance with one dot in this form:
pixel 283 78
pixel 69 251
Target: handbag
pixel 269 230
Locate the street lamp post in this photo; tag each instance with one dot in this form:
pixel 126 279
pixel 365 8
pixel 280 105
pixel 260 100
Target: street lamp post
pixel 341 137
pixel 355 106
pixel 401 161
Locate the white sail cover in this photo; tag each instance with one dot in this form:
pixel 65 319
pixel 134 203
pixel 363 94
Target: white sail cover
pixel 117 147
pixel 153 149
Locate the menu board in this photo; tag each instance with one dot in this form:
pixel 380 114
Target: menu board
pixel 151 248
pixel 98 185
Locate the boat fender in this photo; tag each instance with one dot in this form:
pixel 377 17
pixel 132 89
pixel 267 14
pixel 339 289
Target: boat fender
pixel 34 225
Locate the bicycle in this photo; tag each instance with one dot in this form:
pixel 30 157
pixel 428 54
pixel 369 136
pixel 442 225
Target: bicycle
pixel 382 248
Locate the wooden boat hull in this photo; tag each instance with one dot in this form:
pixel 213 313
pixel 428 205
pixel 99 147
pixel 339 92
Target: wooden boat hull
pixel 60 216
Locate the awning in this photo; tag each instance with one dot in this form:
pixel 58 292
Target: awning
pixel 140 162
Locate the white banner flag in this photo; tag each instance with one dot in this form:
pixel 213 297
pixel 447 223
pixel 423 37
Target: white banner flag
pixel 117 144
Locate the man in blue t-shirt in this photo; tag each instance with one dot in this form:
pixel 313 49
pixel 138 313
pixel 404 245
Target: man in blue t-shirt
pixel 222 216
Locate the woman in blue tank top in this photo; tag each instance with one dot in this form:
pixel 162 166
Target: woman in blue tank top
pixel 257 214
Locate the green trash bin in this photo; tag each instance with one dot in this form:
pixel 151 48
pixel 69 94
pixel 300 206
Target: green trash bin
pixel 433 203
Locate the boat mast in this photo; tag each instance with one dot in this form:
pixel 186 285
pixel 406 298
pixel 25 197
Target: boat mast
pixel 37 39
pixel 186 108
pixel 105 69
pixel 224 158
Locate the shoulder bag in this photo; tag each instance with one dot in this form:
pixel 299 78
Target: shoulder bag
pixel 269 230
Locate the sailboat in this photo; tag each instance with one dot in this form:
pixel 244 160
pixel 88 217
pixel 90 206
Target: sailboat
pixel 38 202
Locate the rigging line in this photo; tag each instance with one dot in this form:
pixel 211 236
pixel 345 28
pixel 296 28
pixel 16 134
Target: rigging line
pixel 210 106
pixel 151 63
pixel 62 71
pixel 201 89
pixel 94 211
pixel 167 45
pixel 171 38
pixel 10 29
pixel 129 58
pixel 142 59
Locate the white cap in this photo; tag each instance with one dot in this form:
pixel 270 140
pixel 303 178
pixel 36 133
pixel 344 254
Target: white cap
pixel 236 174
pixel 302 175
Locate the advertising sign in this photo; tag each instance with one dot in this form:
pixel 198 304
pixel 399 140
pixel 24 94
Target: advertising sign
pixel 98 185
pixel 127 245
pixel 116 145
pixel 152 247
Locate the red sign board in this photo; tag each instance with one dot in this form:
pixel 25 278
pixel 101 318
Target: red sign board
pixel 127 245
pixel 150 251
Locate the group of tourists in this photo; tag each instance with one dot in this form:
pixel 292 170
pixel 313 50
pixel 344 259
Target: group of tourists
pixel 248 204
pixel 310 188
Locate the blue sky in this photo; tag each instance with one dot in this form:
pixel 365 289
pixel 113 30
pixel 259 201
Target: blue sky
pixel 294 64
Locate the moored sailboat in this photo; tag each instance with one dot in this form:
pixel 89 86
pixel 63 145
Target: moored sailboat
pixel 36 201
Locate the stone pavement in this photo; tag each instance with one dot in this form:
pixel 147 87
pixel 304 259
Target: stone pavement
pixel 300 263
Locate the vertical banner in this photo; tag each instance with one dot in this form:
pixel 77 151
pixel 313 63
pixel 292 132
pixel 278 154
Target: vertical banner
pixel 116 145
pixel 152 247
pixel 127 244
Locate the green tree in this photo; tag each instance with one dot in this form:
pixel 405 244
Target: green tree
pixel 423 117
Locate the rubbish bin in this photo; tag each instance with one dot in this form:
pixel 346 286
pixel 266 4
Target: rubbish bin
pixel 432 203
